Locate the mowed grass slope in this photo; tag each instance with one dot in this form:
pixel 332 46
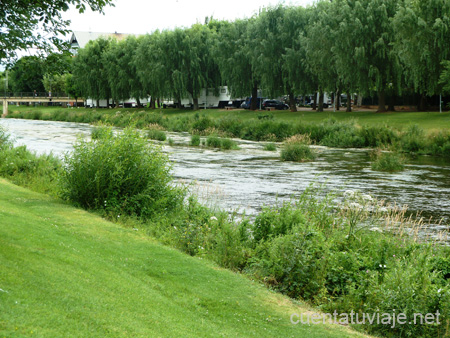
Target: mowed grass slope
pixel 67 273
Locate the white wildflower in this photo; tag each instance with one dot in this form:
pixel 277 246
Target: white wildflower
pixel 213 218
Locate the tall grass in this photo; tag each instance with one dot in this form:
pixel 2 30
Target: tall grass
pixel 296 148
pixel 387 161
pixel 330 132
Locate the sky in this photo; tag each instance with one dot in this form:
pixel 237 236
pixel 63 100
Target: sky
pixel 141 16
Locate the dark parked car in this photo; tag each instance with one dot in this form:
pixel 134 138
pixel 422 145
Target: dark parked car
pixel 274 104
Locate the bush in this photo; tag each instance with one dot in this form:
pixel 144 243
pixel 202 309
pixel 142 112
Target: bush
pixel 297 149
pixel 270 147
pixel 155 134
pixel 121 174
pixel 413 140
pixel 25 168
pixel 195 140
pixel 387 161
pixel 213 142
pixel 228 144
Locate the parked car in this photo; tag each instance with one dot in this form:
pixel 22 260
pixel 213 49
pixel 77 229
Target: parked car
pixel 274 104
pixel 247 103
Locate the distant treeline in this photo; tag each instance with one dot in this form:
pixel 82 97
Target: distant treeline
pixel 382 48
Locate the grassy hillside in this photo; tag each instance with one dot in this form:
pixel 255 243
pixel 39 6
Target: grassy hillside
pixel 67 273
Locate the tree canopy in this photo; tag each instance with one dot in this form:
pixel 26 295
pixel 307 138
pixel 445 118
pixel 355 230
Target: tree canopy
pixel 26 23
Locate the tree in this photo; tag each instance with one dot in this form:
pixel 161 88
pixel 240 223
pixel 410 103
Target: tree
pixel 318 43
pixel 422 42
pixel 54 83
pixel 121 71
pixel 150 61
pixel 27 23
pixel 72 88
pixel 233 54
pixel 295 70
pixel 27 74
pixel 89 70
pixel 365 55
pixel 274 34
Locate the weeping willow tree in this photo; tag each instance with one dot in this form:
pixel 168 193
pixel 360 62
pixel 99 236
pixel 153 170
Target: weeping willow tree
pixel 423 43
pixel 121 70
pixel 150 58
pixel 274 36
pixel 90 71
pixel 233 54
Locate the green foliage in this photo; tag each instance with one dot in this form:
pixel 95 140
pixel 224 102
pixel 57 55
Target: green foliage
pixel 413 139
pixel 23 19
pixel 195 140
pixel 120 174
pixel 90 70
pixel 156 134
pixel 297 149
pixel 270 147
pixel 27 74
pixel 214 142
pixel 22 167
pixel 387 161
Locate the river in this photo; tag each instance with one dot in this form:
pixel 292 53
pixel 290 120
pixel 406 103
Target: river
pixel 244 180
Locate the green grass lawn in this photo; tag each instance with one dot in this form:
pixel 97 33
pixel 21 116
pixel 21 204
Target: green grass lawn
pixel 398 120
pixel 68 273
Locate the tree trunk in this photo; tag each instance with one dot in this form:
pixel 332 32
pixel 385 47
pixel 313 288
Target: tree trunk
pixel 391 103
pixel 98 103
pixel 337 99
pixel 179 102
pixel 349 102
pixel 292 104
pixel 254 100
pixel 423 104
pixel 152 103
pixel 159 103
pixel 138 103
pixel 314 105
pixel 320 108
pixel 381 101
pixel 117 103
pixel 107 102
pixel 195 99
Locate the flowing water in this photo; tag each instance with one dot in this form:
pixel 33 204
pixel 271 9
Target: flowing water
pixel 244 180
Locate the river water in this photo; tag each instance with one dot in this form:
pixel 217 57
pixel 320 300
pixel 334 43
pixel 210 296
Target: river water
pixel 244 180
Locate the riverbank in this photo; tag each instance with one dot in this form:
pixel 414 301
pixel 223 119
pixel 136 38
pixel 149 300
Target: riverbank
pixel 66 272
pixel 360 255
pixel 407 132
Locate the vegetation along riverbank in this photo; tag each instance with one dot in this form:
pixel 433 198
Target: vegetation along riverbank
pixel 407 132
pixel 342 251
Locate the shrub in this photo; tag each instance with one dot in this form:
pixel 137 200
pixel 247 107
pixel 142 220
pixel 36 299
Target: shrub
pixel 25 168
pixel 120 174
pixel 270 147
pixel 413 140
pixel 228 144
pixel 155 134
pixel 387 161
pixel 195 140
pixel 213 142
pixel 297 149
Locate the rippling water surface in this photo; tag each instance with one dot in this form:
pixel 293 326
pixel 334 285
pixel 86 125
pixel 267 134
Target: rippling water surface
pixel 248 178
